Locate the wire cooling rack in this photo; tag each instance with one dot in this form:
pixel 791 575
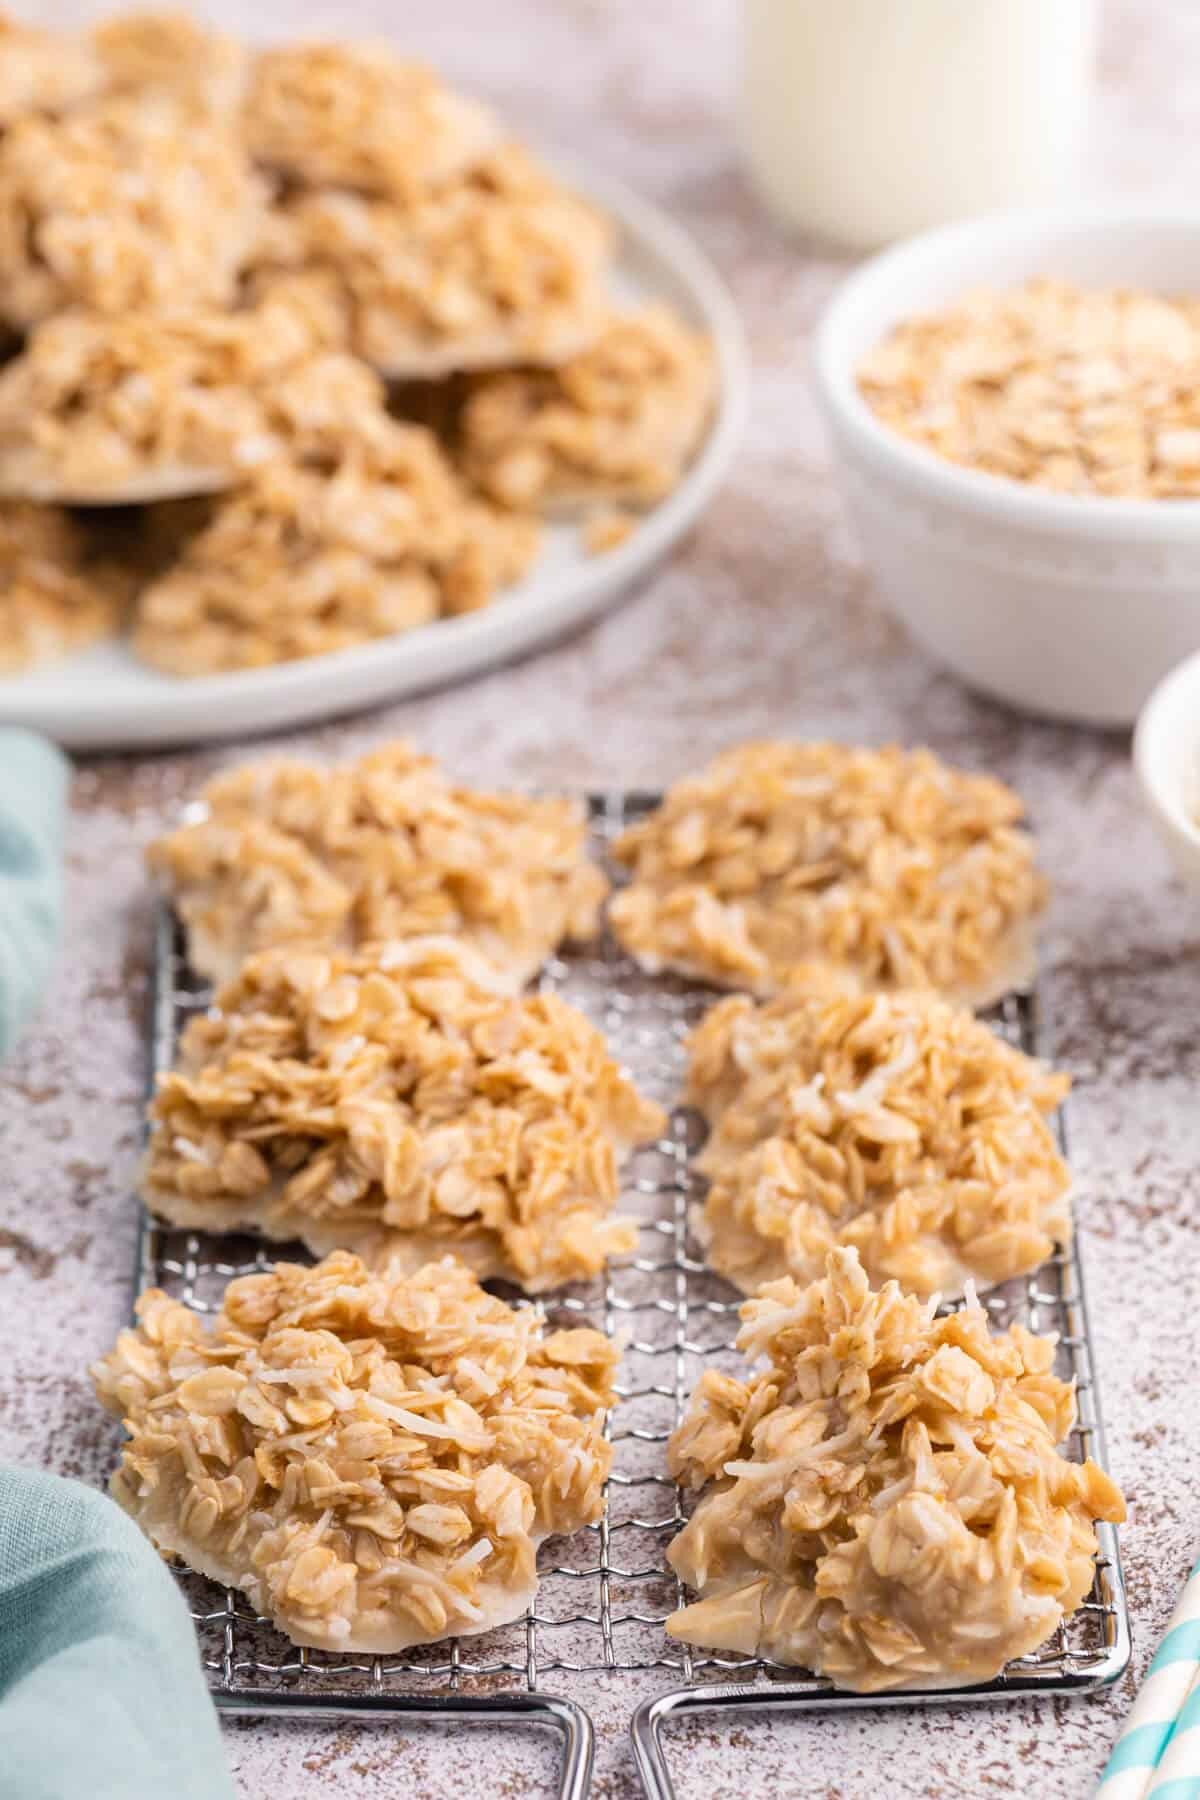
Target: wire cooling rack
pixel 606 1591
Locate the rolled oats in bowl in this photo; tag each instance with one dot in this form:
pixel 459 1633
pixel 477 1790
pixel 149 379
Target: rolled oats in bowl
pixel 887 866
pixel 896 1124
pixel 883 1502
pixel 401 1104
pixel 384 848
pixel 209 256
pixel 1071 389
pixel 372 1459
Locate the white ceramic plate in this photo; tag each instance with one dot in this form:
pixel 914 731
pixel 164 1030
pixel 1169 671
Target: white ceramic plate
pixel 102 699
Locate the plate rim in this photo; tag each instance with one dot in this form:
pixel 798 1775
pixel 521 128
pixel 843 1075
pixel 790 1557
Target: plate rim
pixel 189 711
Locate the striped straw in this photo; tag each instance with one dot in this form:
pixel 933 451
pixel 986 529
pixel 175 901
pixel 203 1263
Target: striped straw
pixel 1166 1709
pixel 1177 1776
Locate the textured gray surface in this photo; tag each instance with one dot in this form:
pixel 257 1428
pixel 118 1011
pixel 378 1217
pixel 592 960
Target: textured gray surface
pixel 763 623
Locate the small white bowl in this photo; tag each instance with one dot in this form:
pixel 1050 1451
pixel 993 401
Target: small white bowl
pixel 1166 755
pixel 1072 606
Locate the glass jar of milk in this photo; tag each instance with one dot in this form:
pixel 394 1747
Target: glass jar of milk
pixel 865 120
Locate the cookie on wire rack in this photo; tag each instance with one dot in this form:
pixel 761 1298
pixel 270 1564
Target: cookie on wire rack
pixel 57 592
pixel 888 866
pixel 372 1459
pixel 897 1124
pixel 884 1503
pixel 388 847
pixel 400 1104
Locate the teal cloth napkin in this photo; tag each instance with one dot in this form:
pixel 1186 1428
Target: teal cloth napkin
pixel 101 1691
pixel 33 790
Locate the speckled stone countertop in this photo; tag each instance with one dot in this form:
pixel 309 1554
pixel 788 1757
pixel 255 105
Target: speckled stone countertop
pixel 763 623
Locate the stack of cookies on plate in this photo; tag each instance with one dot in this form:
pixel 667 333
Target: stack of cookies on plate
pixel 304 348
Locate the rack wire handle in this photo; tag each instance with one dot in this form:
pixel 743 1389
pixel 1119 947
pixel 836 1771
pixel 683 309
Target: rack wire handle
pixel 645 1728
pixel 564 1717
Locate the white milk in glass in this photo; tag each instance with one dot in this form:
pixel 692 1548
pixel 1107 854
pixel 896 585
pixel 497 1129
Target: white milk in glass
pixel 865 120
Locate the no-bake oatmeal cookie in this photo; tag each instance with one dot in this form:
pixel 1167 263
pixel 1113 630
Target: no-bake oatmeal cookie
pixel 111 411
pixel 305 559
pixel 398 1103
pixel 43 71
pixel 56 593
pixel 387 847
pixel 212 253
pixel 501 266
pixel 885 1502
pixel 887 865
pixel 357 115
pixel 618 422
pixel 167 52
pixel 136 203
pixel 372 1459
pixel 894 1123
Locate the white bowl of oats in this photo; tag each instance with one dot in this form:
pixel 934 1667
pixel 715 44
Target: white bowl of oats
pixel 1015 407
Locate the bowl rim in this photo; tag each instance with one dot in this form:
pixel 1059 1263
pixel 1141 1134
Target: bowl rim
pixel 1156 720
pixel 997 497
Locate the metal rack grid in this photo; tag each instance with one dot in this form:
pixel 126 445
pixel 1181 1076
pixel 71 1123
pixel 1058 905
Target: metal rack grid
pixel 606 1591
